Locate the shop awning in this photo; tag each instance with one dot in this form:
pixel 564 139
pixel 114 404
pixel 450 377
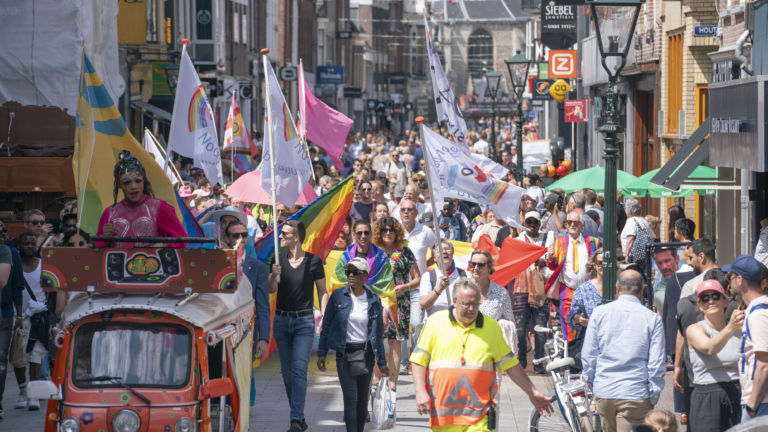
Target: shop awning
pixel 158 113
pixel 681 165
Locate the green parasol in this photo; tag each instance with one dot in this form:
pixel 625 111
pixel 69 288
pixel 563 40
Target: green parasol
pixel 643 186
pixel 592 178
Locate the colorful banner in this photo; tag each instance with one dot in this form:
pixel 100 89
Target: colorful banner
pixel 238 140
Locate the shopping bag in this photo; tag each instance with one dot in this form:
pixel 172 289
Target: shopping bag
pixel 383 409
pixel 16 356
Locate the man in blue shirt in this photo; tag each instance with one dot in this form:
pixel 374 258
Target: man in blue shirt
pixel 623 356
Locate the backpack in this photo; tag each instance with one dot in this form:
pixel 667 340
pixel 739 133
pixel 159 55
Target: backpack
pixel 642 239
pixel 744 336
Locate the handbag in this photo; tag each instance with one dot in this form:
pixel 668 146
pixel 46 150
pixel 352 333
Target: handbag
pixel 356 362
pixel 16 356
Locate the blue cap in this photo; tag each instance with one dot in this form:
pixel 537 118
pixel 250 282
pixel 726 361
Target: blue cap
pixel 747 267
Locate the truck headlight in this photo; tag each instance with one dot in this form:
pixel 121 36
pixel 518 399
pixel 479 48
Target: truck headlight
pixel 126 421
pixel 185 424
pixel 70 424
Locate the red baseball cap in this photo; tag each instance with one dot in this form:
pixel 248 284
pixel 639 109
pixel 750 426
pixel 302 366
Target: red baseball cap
pixel 709 286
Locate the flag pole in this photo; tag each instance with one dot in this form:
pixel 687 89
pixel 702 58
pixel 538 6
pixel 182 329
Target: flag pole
pixel 157 144
pixel 232 145
pixel 80 199
pixel 175 105
pixel 439 260
pixel 264 53
pixel 302 119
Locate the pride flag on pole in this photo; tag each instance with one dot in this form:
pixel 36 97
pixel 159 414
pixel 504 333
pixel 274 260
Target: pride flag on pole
pixel 324 218
pixel 101 134
pixel 238 140
pixel 153 148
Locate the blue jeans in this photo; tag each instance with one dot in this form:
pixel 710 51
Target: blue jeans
pixel 524 312
pixel 762 410
pixel 294 338
pixel 6 334
pixel 355 390
pixel 417 321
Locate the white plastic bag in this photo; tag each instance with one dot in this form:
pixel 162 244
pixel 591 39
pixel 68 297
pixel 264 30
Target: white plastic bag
pixel 383 406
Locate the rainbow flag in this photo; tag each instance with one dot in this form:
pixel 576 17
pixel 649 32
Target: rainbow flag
pixel 101 134
pixel 324 217
pixel 191 226
pixel 237 139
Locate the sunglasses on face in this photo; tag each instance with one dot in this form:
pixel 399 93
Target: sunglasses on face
pixel 532 221
pixel 572 223
pixel 476 265
pixel 407 209
pixel 36 222
pixel 365 189
pixel 355 272
pixel 128 182
pixel 363 233
pixel 239 235
pixel 285 234
pixel 388 231
pixel 70 226
pixel 469 305
pixel 707 297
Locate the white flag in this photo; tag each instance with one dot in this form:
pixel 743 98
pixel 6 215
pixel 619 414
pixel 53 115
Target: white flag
pixel 151 147
pixel 193 129
pixel 454 175
pixel 445 101
pixel 488 166
pixel 292 166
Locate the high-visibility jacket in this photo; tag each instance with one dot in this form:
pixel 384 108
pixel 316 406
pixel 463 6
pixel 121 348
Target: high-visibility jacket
pixel 461 394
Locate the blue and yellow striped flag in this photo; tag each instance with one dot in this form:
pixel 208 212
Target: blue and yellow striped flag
pixel 101 134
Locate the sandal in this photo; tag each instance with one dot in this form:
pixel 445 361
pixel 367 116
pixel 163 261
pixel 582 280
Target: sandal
pixel 683 418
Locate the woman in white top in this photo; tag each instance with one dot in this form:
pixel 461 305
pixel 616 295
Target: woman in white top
pixel 713 346
pixel 634 223
pixel 495 298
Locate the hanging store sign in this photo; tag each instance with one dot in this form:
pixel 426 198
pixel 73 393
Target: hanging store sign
pixel 558 24
pixel 576 111
pixel 540 91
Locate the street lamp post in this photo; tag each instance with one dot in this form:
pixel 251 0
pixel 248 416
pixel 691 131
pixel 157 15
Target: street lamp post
pixel 615 24
pixel 518 71
pixel 172 75
pixel 493 79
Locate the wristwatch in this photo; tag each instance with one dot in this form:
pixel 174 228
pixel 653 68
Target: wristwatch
pixel 750 409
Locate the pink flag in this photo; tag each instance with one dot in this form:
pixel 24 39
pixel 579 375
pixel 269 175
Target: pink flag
pixel 322 124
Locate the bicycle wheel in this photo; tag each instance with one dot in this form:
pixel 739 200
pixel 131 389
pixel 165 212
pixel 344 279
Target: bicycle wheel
pixel 555 422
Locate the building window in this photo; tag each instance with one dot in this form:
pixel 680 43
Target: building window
pixel 151 21
pixel 320 47
pixel 702 103
pixel 674 83
pixel 480 56
pixel 236 27
pixel 245 28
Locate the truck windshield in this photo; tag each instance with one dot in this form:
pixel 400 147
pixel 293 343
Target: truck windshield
pixel 140 355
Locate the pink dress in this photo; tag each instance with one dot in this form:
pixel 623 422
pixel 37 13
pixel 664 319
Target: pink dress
pixel 150 217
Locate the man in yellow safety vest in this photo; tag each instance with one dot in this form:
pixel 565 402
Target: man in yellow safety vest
pixel 463 349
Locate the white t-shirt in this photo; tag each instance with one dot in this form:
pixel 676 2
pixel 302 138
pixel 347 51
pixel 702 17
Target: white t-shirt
pixel 536 193
pixel 33 279
pixel 421 207
pixel 420 240
pixel 758 342
pixel 357 325
pixel 481 147
pixel 400 171
pixel 630 229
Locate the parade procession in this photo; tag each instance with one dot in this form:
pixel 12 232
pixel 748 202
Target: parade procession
pixel 406 215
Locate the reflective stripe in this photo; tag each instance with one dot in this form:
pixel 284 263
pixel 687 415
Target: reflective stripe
pixel 446 364
pixel 417 351
pixel 435 414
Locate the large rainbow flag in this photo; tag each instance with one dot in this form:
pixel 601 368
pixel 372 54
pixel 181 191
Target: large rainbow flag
pixel 324 217
pixel 101 134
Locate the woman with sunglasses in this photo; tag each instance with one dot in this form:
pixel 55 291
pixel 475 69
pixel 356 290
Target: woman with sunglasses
pixel 353 323
pixel 495 301
pixel 713 345
pixel 139 214
pixel 390 236
pixel 588 295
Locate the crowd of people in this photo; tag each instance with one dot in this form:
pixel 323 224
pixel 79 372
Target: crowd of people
pixel 402 291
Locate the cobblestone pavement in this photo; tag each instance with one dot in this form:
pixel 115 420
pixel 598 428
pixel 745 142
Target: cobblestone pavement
pixel 324 408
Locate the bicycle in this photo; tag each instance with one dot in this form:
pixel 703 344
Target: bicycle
pixel 571 394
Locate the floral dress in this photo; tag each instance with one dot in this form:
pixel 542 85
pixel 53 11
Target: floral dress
pixel 401 260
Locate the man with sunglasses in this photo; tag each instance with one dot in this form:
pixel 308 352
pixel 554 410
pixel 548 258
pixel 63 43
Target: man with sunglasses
pixel 411 194
pixel 463 351
pixel 34 222
pixel 568 257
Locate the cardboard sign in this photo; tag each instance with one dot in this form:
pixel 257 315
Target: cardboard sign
pixel 168 270
pixel 576 110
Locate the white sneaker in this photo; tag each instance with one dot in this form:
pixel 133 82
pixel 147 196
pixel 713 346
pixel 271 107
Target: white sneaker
pixel 22 402
pixel 34 404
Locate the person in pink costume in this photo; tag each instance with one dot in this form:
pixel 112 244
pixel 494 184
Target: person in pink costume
pixel 139 214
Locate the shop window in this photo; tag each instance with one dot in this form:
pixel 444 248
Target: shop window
pixel 674 82
pixel 480 54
